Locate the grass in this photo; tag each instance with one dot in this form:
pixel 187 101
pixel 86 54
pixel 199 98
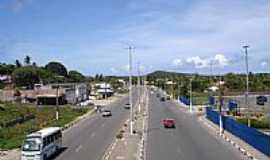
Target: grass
pixel 259 123
pixel 12 137
pixel 199 100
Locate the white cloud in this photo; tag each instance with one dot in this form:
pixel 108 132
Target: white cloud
pixel 177 62
pixel 264 64
pixel 220 60
pixel 198 62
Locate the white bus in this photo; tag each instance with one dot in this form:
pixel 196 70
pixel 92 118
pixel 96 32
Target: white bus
pixel 42 144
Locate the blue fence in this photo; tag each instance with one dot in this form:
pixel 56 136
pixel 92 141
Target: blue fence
pixel 184 100
pixel 212 115
pixel 252 136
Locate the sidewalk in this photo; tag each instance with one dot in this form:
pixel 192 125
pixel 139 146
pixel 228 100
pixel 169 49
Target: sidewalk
pixel 130 146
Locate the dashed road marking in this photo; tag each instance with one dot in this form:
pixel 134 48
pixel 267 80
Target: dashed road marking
pixel 120 157
pixel 93 134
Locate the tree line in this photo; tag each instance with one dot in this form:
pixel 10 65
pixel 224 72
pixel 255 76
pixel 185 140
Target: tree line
pixel 29 73
pixel 234 82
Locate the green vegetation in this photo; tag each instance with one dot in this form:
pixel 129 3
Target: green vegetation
pixel 57 68
pixel 29 74
pixel 25 76
pixel 260 123
pixel 199 100
pixel 75 76
pixel 234 83
pixel 12 137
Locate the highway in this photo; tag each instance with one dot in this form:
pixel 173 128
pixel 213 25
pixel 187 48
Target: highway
pixel 89 139
pixel 188 141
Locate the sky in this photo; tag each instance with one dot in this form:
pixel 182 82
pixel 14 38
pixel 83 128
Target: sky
pixel 174 35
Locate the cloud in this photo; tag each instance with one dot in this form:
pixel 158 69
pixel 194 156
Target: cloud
pixel 177 62
pixel 219 60
pixel 198 62
pixel 264 64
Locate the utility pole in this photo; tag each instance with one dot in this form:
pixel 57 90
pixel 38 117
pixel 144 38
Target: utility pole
pixel 57 103
pixel 130 88
pixel 247 84
pixel 139 87
pixel 190 97
pixel 220 107
pixel 179 90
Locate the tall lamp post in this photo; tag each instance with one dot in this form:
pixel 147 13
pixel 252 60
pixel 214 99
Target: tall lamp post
pixel 190 103
pixel 139 87
pixel 130 89
pixel 57 103
pixel 247 83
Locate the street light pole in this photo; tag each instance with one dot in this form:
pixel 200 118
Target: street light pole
pixel 139 88
pixel 247 83
pixel 130 89
pixel 190 103
pixel 57 103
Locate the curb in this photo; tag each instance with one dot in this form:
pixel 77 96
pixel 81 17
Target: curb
pixel 227 139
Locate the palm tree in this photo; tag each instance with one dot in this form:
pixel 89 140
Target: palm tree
pixel 18 63
pixel 27 60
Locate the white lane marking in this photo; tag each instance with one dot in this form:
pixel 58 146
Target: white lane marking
pixel 79 148
pixel 120 157
pixel 93 134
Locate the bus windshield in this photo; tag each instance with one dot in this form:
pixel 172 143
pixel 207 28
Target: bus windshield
pixel 31 145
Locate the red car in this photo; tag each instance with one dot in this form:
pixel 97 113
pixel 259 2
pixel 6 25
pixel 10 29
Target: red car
pixel 169 123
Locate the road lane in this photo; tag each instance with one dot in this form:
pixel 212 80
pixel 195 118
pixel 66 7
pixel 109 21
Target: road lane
pixel 188 141
pixel 89 139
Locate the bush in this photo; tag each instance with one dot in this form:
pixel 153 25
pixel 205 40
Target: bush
pixel 262 123
pixel 119 135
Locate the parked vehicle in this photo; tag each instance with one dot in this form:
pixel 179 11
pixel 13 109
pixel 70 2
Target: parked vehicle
pixel 168 98
pixel 158 95
pixel 106 113
pixel 42 144
pixel 260 100
pixel 168 123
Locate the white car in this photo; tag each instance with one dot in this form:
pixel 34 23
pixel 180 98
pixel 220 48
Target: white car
pixel 106 113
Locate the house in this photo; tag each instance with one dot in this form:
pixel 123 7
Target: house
pixel 51 99
pixel 74 92
pixel 104 89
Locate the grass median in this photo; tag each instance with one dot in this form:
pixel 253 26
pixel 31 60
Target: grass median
pixel 12 136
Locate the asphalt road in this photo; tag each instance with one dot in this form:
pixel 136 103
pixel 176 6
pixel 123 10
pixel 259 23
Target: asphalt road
pixel 89 139
pixel 188 141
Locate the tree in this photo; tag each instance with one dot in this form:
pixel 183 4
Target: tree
pixel 27 60
pixel 75 76
pixel 18 63
pixel 101 78
pixel 6 69
pixel 34 64
pixel 57 68
pixel 25 76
